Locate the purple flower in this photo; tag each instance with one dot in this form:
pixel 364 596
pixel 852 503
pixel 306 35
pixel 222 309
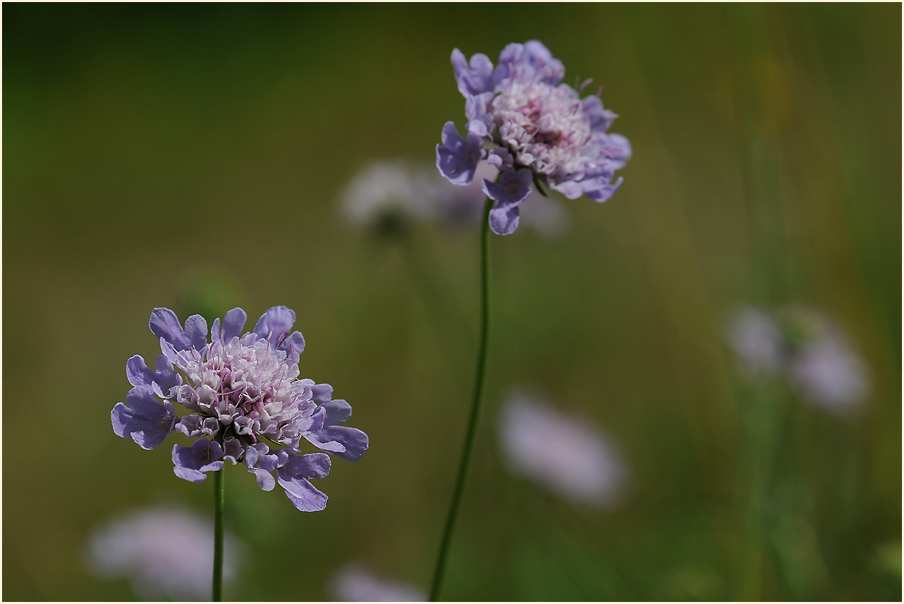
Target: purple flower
pixel 164 551
pixel 240 392
pixel 522 108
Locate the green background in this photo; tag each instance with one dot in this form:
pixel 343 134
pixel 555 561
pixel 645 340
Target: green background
pixel 192 156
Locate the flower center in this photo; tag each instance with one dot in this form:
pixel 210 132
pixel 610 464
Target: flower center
pixel 244 383
pixel 544 126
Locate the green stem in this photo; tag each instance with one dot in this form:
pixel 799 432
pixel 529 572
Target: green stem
pixel 219 499
pixel 475 406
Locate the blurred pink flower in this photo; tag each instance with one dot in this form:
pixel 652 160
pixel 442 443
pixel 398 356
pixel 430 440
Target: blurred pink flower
pixel 808 349
pixel 560 452
pixel 166 552
pixel 825 370
pixel 354 583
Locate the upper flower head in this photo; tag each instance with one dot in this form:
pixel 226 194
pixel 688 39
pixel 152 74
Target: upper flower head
pixel 241 391
pixel 535 122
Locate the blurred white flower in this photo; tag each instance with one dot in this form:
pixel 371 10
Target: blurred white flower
pixel 386 194
pixel 354 583
pixel 166 552
pixel 757 341
pixel 560 452
pixel 387 191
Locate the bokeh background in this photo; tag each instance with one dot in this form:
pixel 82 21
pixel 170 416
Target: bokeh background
pixel 192 157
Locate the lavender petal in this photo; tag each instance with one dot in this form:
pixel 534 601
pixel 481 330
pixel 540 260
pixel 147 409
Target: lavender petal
pixel 474 78
pixel 342 441
pixel 192 463
pixel 165 377
pixel 337 412
pixel 165 324
pixel 457 158
pixel 143 419
pixel 233 322
pixel 304 496
pixel 275 324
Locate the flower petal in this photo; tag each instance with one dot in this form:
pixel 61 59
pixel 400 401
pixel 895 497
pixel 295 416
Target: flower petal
pixel 294 475
pixel 196 331
pixel 550 69
pixel 603 191
pixel 312 465
pixel 600 118
pixel 165 377
pixel 261 463
pixel 275 324
pixel 457 157
pixel 337 412
pixel 232 449
pixel 322 393
pixel 304 496
pixel 504 218
pixel 233 322
pixel 293 346
pixel 474 78
pixel 190 425
pixel 512 188
pixel 191 463
pixel 265 479
pixel 347 443
pixel 145 420
pixel 619 148
pixel 165 324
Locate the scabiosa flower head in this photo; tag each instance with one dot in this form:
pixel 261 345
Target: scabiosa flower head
pixel 354 583
pixel 244 399
pixel 560 452
pixel 164 551
pixel 535 128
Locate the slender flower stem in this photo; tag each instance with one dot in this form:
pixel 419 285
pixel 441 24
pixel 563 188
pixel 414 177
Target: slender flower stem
pixel 475 406
pixel 219 499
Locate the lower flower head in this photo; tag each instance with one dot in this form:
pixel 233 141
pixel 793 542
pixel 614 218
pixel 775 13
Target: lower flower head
pixel 244 397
